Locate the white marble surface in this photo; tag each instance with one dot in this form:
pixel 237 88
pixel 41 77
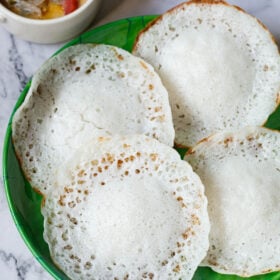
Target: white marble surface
pixel 20 59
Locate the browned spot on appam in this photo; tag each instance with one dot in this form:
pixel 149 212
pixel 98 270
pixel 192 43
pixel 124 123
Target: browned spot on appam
pixel 195 220
pixel 143 64
pixel 153 156
pixel 119 163
pixel 177 268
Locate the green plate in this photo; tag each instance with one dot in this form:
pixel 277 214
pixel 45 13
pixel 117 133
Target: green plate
pixel 24 203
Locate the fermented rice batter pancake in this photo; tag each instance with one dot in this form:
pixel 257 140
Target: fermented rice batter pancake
pixel 86 91
pixel 127 208
pixel 220 66
pixel 241 174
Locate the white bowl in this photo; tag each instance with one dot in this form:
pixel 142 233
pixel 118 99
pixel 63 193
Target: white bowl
pixel 49 30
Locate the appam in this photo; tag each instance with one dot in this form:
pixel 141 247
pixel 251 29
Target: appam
pixel 86 91
pixel 127 208
pixel 220 66
pixel 241 174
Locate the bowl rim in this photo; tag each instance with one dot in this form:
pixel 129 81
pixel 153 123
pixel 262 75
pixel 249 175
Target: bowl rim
pixel 5 12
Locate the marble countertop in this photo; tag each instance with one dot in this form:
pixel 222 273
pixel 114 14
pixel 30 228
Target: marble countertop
pixel 20 59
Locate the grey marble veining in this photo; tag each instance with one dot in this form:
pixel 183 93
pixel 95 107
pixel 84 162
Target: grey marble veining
pixel 19 60
pixel 21 268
